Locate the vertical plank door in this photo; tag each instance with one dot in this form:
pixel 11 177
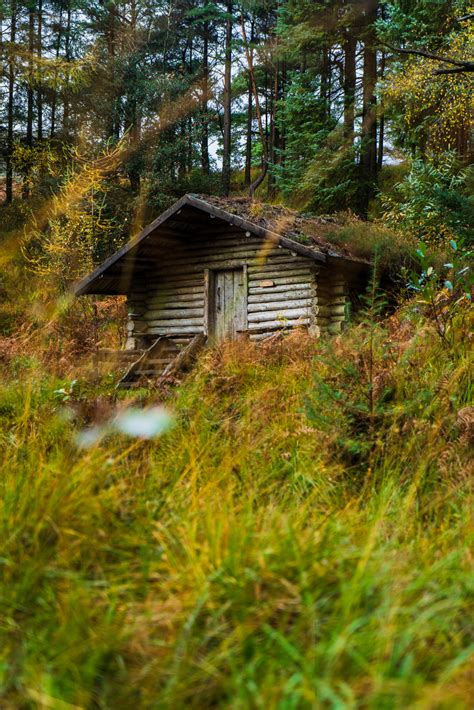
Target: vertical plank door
pixel 229 303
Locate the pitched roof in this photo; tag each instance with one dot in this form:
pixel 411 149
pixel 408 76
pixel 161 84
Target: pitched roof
pixel 115 274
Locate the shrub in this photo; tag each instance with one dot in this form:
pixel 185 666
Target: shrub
pixel 431 203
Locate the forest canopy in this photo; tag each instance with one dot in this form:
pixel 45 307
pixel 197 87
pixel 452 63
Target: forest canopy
pixel 114 109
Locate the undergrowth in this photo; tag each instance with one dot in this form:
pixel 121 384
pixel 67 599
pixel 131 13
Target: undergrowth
pixel 299 538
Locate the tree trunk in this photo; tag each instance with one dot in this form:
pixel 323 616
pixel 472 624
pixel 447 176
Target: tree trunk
pixel 368 155
pixel 350 46
pixel 249 127
pixel 11 107
pixel 274 133
pixel 227 102
pixel 113 129
pixel 132 119
pixel 248 139
pixel 39 95
pixel 25 191
pixel 205 164
pixel 258 113
pixel 54 99
pixel 67 56
pixel 381 120
pixel 30 90
pixel 324 86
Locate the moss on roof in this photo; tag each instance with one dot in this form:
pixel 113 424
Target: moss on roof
pixel 340 234
pixel 283 221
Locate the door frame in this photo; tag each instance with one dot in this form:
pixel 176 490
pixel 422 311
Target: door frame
pixel 209 276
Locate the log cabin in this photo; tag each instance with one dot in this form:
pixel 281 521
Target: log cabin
pixel 201 271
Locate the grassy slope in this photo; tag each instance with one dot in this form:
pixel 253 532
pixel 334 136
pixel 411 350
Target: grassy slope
pixel 280 547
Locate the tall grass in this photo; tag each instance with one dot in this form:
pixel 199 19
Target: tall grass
pixel 273 550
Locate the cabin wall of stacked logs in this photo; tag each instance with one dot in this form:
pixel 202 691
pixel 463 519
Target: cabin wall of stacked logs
pixel 285 290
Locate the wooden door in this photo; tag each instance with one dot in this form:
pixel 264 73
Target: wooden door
pixel 229 303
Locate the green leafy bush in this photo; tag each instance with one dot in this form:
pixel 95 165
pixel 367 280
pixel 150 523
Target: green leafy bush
pixel 432 202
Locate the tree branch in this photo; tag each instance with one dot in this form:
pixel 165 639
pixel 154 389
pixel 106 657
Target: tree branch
pixel 462 66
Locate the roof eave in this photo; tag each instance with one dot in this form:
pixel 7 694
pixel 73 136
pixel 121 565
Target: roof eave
pixel 88 283
pixel 83 286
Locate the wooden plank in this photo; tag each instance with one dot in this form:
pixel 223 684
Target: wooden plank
pixel 271 295
pixel 229 303
pixel 174 330
pixel 170 305
pixel 134 371
pixel 283 315
pixel 186 357
pixel 178 322
pixel 281 281
pixel 187 291
pixel 163 282
pixel 291 322
pixel 216 250
pixel 273 307
pixel 180 300
pixel 189 265
pixel 263 261
pixel 254 290
pixel 245 306
pixel 265 266
pixel 208 284
pixel 256 229
pixel 280 273
pixel 199 243
pixel 266 262
pixel 182 314
pixel 177 288
pixel 189 273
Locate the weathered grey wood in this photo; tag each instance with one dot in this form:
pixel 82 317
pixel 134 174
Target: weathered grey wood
pixel 200 243
pixel 180 289
pixel 183 281
pixel 187 291
pixel 272 306
pixel 265 264
pixel 135 369
pixel 174 304
pixel 243 252
pixel 185 358
pixel 279 273
pixel 260 231
pixel 268 266
pixel 279 281
pixel 188 272
pixel 228 303
pixel 286 314
pixel 174 330
pixel 175 322
pixel 208 302
pixel 273 296
pixel 255 290
pixel 273 263
pixel 164 313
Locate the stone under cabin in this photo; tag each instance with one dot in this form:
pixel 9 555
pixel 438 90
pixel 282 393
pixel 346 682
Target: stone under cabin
pixel 210 269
